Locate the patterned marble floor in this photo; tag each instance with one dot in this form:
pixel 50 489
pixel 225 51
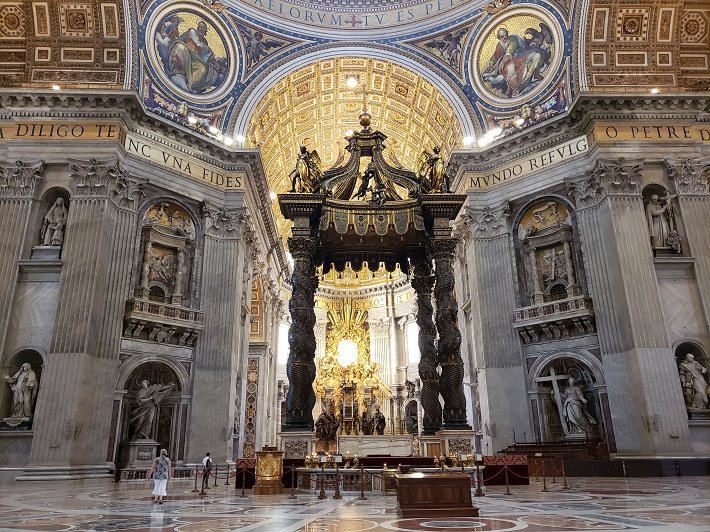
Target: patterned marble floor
pixel 657 504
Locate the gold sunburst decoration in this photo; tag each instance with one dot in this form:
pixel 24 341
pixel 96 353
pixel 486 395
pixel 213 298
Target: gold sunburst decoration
pixel 348 324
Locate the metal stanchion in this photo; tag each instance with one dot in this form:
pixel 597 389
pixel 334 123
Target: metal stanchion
pixel 227 468
pixel 322 495
pixel 553 472
pixel 216 474
pixel 337 495
pixel 362 485
pixel 507 484
pixel 544 478
pixel 244 481
pixel 293 483
pixel 564 477
pixel 196 473
pixel 479 480
pixel 202 482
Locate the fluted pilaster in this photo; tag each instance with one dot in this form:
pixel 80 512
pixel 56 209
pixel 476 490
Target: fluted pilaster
pixel 630 323
pixel 17 190
pixel 220 349
pixel 94 285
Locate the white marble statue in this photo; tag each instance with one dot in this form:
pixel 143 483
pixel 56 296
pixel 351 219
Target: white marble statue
pixel 24 392
pixel 52 233
pixel 574 408
pixel 149 397
pixel 695 385
pixel 660 221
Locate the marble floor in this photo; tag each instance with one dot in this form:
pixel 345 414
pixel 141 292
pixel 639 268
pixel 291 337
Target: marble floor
pixel 652 504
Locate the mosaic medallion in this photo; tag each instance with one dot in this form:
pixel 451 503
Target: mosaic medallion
pixel 517 57
pixel 190 52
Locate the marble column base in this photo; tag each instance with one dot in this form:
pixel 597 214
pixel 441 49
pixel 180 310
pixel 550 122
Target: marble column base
pixel 455 442
pixel 297 444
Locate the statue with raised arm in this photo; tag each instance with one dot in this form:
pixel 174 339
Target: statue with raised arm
pixel 52 233
pixel 695 384
pixel 430 169
pixel 149 397
pixel 24 392
pixel 306 177
pixel 659 216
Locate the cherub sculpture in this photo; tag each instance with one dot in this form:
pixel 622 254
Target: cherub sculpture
pixel 307 175
pixel 430 169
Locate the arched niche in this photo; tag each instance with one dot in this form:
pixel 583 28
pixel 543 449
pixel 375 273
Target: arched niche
pixel 10 368
pixel 561 412
pixel 547 251
pixel 693 372
pixel 411 417
pixel 166 427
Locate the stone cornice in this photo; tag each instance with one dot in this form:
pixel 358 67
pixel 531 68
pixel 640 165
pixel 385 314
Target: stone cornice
pixel 126 107
pixel 584 112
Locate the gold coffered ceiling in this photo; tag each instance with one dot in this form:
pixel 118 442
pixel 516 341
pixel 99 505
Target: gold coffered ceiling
pixel 314 106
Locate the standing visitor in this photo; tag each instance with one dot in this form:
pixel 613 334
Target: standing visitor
pixel 161 471
pixel 206 467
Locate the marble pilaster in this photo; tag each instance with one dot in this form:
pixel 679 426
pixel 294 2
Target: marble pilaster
pixel 639 367
pixel 219 349
pixel 497 353
pixel 74 409
pixel 18 185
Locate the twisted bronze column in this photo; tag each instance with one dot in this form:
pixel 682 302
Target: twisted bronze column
pixel 301 366
pixel 449 346
pixel 422 282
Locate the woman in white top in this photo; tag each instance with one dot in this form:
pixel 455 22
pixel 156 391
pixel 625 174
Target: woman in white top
pixel 161 471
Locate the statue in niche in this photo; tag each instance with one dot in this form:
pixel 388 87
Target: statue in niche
pixel 379 421
pixel 692 378
pixel 574 408
pixel 24 392
pixel 659 215
pixel 673 241
pixel 52 233
pixel 307 174
pixel 327 424
pixel 149 397
pixel 430 168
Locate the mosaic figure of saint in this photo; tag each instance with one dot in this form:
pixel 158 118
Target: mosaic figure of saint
pixel 188 58
pixel 518 62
